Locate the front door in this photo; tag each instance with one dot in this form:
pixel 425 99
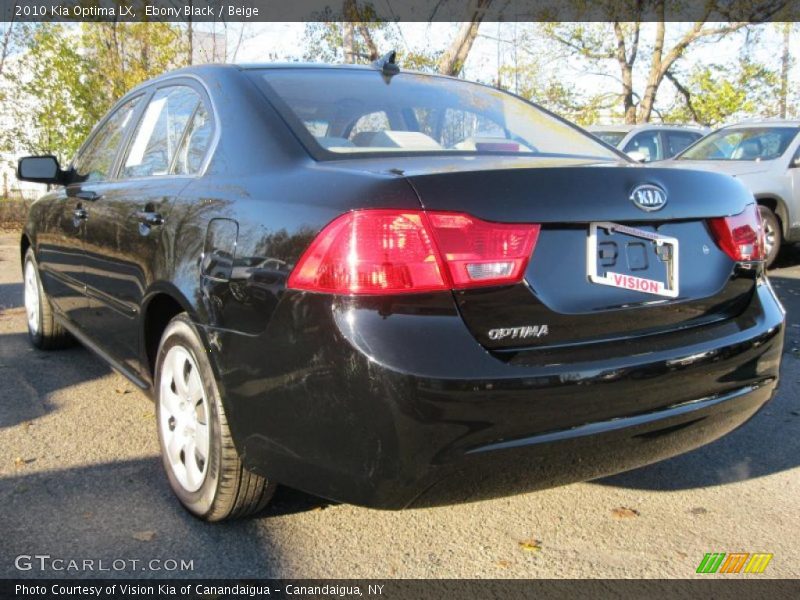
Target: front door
pixel 60 253
pixel 92 171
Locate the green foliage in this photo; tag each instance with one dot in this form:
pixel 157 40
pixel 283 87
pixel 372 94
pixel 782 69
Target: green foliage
pixel 69 76
pixel 722 93
pixel 53 104
pixel 536 84
pixel 120 56
pixel 323 41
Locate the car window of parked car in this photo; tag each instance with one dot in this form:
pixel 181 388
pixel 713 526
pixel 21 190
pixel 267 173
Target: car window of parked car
pixel 95 161
pixel 610 137
pixel 648 143
pixel 411 113
pixel 743 143
pixel 160 132
pixel 678 141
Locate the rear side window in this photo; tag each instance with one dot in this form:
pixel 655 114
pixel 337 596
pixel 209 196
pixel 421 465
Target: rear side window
pixel 96 159
pixel 337 112
pixel 195 143
pixel 678 141
pixel 160 134
pixel 648 143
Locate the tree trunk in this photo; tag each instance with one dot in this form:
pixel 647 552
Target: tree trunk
pixel 453 59
pixel 349 42
pixel 657 70
pixel 190 40
pixel 785 64
pixel 374 53
pixel 626 68
pixel 349 11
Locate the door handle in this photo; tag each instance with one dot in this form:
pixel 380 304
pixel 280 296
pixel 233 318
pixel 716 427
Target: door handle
pixel 89 195
pixel 149 218
pixel 80 214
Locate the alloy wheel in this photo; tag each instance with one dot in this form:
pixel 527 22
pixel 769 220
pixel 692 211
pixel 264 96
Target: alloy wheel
pixel 769 237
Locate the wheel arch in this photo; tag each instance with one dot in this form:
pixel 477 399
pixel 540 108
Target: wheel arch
pixel 24 244
pixel 161 304
pixel 777 206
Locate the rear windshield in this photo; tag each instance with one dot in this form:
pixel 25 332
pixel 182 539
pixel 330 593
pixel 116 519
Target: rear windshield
pixel 339 112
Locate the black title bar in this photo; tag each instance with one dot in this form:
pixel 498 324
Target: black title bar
pixel 399 10
pixel 397 589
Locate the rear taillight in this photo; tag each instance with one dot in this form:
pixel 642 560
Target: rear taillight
pixel 394 251
pixel 479 253
pixel 740 236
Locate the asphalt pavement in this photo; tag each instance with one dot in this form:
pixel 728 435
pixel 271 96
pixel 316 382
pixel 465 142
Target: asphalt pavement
pixel 80 480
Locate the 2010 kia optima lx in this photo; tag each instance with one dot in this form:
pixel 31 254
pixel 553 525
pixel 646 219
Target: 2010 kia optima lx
pixel 396 289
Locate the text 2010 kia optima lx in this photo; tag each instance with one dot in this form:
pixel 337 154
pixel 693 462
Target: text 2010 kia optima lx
pixel 396 289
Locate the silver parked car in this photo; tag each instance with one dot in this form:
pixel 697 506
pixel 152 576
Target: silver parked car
pixel 649 141
pixel 765 157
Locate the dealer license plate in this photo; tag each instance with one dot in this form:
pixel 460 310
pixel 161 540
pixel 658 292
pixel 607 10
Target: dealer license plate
pixel 632 259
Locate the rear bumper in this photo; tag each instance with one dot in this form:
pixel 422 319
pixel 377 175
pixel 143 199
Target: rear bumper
pixel 595 449
pixel 375 403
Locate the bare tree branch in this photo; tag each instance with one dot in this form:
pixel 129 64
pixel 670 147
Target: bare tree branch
pixel 687 96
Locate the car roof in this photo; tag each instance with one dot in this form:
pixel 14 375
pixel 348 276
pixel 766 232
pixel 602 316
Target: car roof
pixel 765 123
pixel 210 69
pixel 626 127
pixel 618 128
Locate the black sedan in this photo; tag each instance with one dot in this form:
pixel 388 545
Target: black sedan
pixel 396 289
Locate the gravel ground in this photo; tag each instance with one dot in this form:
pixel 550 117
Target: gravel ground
pixel 80 479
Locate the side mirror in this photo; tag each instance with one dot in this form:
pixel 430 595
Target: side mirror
pixel 40 169
pixel 638 156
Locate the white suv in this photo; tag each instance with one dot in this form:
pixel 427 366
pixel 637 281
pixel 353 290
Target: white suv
pixel 765 156
pixel 649 141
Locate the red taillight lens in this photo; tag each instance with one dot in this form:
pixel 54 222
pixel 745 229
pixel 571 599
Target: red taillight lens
pixel 481 253
pixel 392 251
pixel 740 236
pixel 371 252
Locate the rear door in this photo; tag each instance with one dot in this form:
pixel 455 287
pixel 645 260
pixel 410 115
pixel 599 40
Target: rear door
pixel 794 199
pixel 676 142
pixel 126 240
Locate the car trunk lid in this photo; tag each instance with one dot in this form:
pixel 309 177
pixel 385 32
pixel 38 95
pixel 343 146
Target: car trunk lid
pixel 559 302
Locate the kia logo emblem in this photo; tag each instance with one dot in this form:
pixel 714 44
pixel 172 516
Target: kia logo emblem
pixel 649 197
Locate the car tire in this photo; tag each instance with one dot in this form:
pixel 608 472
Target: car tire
pixel 44 332
pixel 198 453
pixel 772 234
